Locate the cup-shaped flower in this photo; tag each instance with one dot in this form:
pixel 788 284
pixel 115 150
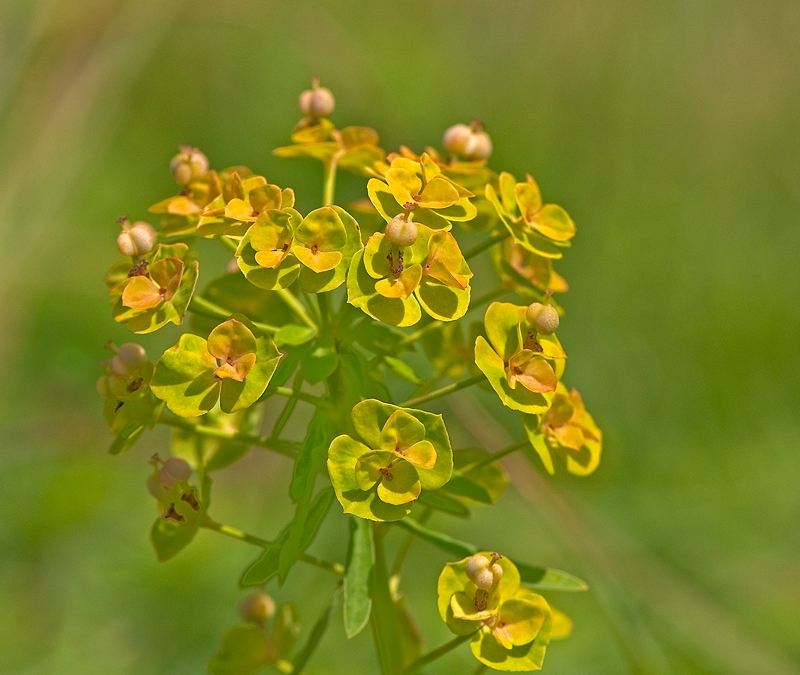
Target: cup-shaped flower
pixel 392 283
pixel 233 367
pixel 567 431
pixel 510 625
pixel 541 228
pixel 282 246
pixel 400 453
pixel 240 203
pixel 420 187
pixel 516 361
pixel 153 292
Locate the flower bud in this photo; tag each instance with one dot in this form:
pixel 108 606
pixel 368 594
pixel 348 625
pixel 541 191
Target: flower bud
pixel 475 565
pixel 257 608
pixel 135 240
pixel 188 165
pixel 400 231
pixel 543 318
pixel 468 141
pixel 317 102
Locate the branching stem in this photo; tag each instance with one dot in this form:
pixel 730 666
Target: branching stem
pixel 440 651
pixel 234 533
pixel 444 391
pixel 487 243
pixel 495 456
pixel 291 301
pixel 202 307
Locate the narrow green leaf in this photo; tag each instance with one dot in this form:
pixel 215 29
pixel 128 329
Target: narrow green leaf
pixel 384 617
pixel 358 578
pixel 443 541
pixel 458 485
pixel 401 369
pixel 445 503
pixel 312 456
pixel 549 579
pixel 316 635
pixel 293 335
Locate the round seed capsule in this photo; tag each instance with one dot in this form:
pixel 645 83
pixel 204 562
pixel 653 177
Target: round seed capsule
pixel 543 318
pixel 188 165
pixel 401 232
pixel 138 239
pixel 497 572
pixel 317 102
pixel 132 355
pixel 475 565
pixel 468 141
pixel 257 608
pixel 177 469
pixel 484 579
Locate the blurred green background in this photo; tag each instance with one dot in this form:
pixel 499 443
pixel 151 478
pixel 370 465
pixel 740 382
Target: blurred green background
pixel 670 133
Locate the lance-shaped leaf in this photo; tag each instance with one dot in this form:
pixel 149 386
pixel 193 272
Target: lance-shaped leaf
pixel 234 366
pixel 358 577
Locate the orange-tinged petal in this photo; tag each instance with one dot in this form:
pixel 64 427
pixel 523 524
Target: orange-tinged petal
pixel 238 209
pixel 141 293
pixel 421 454
pixel 271 259
pixel 167 273
pixel 231 340
pixel 237 369
pixel 402 286
pixel 528 198
pixel 570 436
pixel 313 258
pixel 532 372
pixel 439 193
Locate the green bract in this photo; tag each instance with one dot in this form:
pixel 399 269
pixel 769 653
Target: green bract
pixel 400 453
pixel 282 246
pixel 153 292
pixel 516 361
pixel 510 625
pixel 391 283
pixel 234 366
pixel 541 228
pixel 567 431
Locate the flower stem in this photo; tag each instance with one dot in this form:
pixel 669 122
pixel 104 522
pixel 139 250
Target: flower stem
pixel 234 533
pixel 488 297
pixel 440 651
pixel 495 456
pixel 329 186
pixel 281 447
pixel 397 566
pixel 202 307
pixel 231 244
pixel 444 391
pixel 291 301
pixel 487 243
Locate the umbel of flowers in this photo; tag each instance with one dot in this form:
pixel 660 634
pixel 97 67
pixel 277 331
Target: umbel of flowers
pixel 299 348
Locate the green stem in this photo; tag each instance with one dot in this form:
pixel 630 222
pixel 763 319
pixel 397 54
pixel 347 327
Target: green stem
pixel 291 301
pixel 440 651
pixel 329 187
pixel 231 244
pixel 487 243
pixel 488 297
pixel 444 391
pixel 234 533
pixel 495 456
pixel 324 313
pixel 281 447
pixel 417 334
pixel 406 545
pixel 288 409
pixel 443 541
pixel 202 307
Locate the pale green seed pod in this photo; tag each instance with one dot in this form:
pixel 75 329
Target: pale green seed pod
pixel 401 231
pixel 137 239
pixel 188 165
pixel 257 608
pixel 542 318
pixel 317 102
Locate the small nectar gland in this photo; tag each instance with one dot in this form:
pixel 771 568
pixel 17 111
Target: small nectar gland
pixel 137 239
pixel 543 318
pixel 468 141
pixel 188 165
pixel 257 608
pixel 401 231
pixel 317 102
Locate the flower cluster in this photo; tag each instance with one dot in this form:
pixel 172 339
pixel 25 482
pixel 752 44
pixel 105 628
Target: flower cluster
pixel 312 309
